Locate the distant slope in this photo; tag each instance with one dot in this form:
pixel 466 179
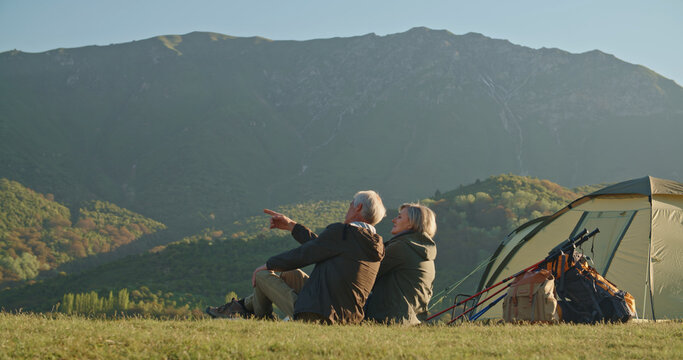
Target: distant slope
pixel 199 269
pixel 37 233
pixel 200 129
pixel 472 220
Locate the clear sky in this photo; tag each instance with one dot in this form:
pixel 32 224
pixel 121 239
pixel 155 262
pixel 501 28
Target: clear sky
pixel 648 33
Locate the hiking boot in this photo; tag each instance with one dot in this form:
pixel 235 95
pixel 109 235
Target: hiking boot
pixel 233 309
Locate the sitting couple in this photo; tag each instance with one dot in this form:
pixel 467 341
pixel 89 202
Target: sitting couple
pixel 355 277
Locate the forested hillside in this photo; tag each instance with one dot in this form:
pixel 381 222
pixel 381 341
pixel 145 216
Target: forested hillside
pixel 472 220
pixel 204 268
pixel 38 234
pixel 197 270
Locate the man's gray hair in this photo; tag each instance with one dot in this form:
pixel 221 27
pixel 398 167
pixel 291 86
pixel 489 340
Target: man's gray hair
pixel 373 208
pixel 422 219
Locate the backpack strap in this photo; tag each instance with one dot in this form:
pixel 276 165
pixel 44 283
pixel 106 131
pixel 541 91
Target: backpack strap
pixel 561 275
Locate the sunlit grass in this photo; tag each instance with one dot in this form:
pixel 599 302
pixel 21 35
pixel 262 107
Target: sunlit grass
pixel 47 336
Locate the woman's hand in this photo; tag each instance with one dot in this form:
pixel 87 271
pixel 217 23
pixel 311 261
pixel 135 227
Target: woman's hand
pixel 279 221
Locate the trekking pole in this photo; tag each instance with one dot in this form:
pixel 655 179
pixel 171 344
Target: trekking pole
pixel 480 313
pixel 488 288
pixel 570 243
pixel 455 301
pixel 479 303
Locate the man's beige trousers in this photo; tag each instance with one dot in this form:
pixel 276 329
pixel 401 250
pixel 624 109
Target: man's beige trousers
pixel 281 290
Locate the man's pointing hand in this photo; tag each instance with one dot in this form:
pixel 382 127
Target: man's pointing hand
pixel 279 221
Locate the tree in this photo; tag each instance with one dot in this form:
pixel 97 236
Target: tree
pixel 25 266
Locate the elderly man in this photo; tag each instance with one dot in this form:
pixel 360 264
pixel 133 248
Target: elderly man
pixel 346 256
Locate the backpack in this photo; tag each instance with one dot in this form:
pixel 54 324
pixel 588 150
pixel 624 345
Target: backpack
pixel 584 296
pixel 531 297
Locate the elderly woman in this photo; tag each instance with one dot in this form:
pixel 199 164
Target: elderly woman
pixel 403 286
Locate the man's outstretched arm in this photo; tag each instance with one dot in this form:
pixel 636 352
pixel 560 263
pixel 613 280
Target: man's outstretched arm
pixel 323 247
pixel 279 221
pixel 282 222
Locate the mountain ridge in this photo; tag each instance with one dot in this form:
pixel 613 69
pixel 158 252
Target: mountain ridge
pixel 236 121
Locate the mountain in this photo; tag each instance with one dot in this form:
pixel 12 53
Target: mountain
pixel 202 129
pixel 39 234
pixel 202 269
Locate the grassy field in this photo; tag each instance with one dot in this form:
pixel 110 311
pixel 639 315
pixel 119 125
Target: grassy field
pixel 44 336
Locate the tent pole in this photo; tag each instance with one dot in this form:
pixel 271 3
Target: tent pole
pixel 647 285
pixel 649 269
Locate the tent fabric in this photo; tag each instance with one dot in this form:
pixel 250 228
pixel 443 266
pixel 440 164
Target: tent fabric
pixel 639 247
pixel 509 243
pixel 667 257
pixel 645 186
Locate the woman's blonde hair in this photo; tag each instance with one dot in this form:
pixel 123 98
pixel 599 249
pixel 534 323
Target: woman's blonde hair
pixel 422 219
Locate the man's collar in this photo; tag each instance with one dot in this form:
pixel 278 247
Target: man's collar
pixel 364 225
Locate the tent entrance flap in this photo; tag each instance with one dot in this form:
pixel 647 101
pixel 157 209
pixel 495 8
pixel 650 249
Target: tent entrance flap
pixel 605 245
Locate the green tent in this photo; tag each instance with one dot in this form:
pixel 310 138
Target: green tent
pixel 639 247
